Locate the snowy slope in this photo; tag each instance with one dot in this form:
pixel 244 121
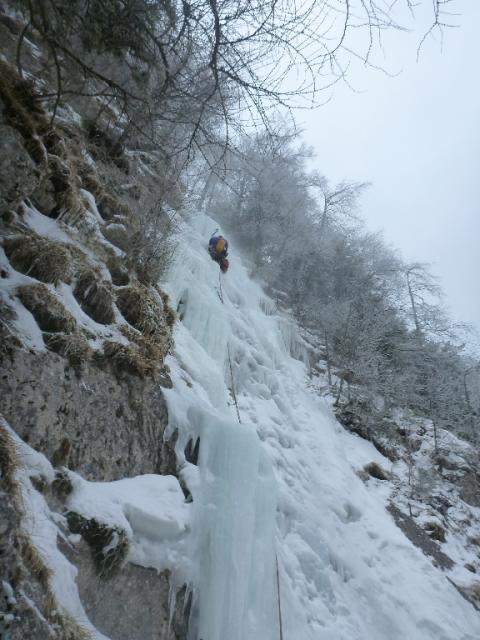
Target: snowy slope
pixel 283 483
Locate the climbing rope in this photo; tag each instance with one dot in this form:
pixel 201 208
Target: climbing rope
pixel 233 385
pixel 234 395
pixel 220 292
pixel 279 601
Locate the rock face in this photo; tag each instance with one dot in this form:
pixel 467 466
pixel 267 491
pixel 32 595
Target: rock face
pixel 18 175
pixel 419 538
pixel 78 401
pixel 103 427
pixel 132 605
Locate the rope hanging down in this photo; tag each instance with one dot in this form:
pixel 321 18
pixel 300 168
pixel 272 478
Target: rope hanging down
pixel 220 295
pixel 233 385
pixel 220 292
pixel 279 601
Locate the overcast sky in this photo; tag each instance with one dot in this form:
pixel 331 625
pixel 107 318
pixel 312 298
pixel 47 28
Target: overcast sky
pixel 416 137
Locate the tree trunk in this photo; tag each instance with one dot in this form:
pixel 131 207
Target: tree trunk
pixel 327 355
pixel 412 302
pixel 469 405
pixel 340 388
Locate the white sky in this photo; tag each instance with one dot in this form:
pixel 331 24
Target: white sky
pixel 416 137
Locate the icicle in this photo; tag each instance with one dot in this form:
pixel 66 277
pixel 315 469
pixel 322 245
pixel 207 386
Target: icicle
pixel 235 520
pixel 172 603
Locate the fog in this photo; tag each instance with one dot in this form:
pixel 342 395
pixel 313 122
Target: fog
pixel 416 137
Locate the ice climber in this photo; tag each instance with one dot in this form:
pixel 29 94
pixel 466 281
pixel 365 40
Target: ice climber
pixel 218 250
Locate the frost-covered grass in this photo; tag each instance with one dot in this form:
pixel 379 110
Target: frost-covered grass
pixel 76 310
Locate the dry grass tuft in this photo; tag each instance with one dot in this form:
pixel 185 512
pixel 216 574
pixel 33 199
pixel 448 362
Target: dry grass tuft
pixel 117 234
pixel 40 258
pixel 170 315
pixel 108 205
pixel 118 271
pixel 127 359
pixel 62 485
pixel 145 310
pixel 71 630
pixel 109 545
pixel 49 313
pixel 70 205
pixel 73 346
pixel 106 145
pixel 152 351
pixel 62 453
pixel 40 483
pixel 474 591
pixel 145 344
pixel 9 342
pixel 95 296
pixel 33 560
pixel 9 459
pixel 374 470
pixel 23 112
pixel 150 329
pixel 435 531
pixel 140 309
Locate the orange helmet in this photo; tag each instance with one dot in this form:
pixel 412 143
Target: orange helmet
pixel 224 264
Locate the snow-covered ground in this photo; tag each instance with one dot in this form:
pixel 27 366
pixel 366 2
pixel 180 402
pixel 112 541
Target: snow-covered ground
pixel 282 484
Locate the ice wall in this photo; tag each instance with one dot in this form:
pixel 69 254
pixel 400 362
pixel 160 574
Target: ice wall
pixel 235 513
pixel 234 488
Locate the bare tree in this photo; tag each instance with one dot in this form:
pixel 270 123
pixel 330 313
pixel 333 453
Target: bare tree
pixel 339 202
pixel 185 75
pixel 424 295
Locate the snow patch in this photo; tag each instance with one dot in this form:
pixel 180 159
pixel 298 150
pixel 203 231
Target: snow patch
pixel 151 509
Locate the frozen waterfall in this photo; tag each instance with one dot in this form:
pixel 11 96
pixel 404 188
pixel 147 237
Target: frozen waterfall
pixel 283 482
